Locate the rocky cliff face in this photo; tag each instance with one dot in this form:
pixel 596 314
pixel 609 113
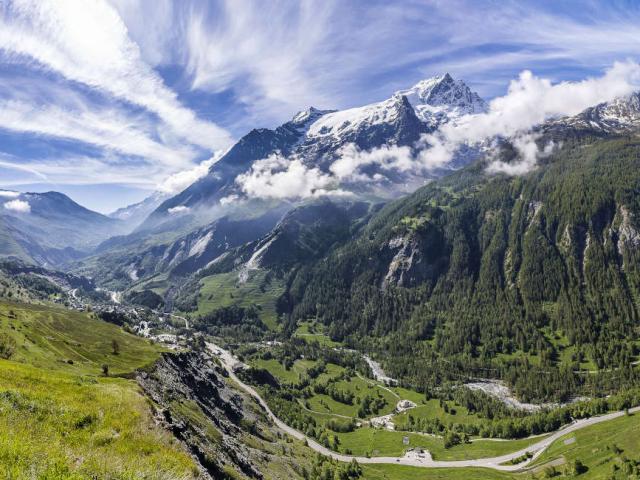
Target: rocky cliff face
pixel 193 401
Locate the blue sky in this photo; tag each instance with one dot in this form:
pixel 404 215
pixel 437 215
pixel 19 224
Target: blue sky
pixel 106 100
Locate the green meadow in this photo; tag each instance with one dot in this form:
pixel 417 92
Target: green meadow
pixel 61 417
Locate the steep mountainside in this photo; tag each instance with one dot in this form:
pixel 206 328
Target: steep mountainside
pixel 475 267
pixel 133 215
pixel 619 116
pixel 127 260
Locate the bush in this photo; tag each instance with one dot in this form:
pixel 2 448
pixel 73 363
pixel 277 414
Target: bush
pixel 7 346
pixel 451 439
pixel 115 347
pixel 577 467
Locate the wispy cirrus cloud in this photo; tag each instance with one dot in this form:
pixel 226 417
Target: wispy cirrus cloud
pixel 103 127
pixel 87 42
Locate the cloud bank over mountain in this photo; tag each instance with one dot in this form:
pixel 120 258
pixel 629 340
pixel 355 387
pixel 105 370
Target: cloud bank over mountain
pixel 530 101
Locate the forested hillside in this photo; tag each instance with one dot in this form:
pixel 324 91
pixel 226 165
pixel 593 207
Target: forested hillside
pixel 501 276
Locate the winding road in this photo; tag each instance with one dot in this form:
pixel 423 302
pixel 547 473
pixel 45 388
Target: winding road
pixel 412 458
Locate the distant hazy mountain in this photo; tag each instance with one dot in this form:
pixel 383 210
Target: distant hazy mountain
pixel 133 215
pixel 50 228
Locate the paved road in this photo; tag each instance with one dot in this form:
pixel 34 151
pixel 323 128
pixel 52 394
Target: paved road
pixel 413 459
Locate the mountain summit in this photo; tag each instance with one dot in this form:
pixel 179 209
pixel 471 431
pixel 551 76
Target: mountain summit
pixel 317 137
pixel 619 116
pixel 443 93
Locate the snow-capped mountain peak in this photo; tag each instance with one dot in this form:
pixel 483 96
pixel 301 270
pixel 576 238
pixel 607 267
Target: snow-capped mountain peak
pixel 341 122
pixel 617 116
pixel 311 114
pixel 318 137
pixel 443 93
pixel 435 101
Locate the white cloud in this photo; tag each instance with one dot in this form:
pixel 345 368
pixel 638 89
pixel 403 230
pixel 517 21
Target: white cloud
pixel 88 42
pixel 352 160
pixel 106 128
pixel 9 194
pixel 527 35
pixel 179 210
pixel 18 206
pixel 82 170
pixel 267 63
pixel 530 101
pixel 179 181
pixel 228 200
pixel 278 177
pixel 528 152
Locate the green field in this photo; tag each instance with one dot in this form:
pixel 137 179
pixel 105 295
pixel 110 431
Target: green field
pixel 610 450
pixel 62 420
pixel 397 472
pixel 359 387
pixel 599 447
pixel 432 409
pixel 277 369
pixel 314 332
pixel 225 290
pixel 381 443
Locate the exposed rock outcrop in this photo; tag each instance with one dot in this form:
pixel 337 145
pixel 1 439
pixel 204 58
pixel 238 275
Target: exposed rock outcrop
pixel 194 402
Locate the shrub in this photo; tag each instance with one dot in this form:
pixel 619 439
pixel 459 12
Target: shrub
pixel 115 347
pixel 7 346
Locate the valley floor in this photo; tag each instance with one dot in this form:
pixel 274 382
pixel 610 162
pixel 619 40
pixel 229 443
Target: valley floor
pixel 536 452
pixel 62 417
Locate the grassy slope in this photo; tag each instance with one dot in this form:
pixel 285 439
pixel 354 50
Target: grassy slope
pixel 8 245
pixel 62 421
pixel 599 447
pixel 48 337
pixel 224 290
pixel 311 332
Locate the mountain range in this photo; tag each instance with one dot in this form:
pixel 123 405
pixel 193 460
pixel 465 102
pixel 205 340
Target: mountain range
pixel 49 228
pixel 317 137
pixel 176 234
